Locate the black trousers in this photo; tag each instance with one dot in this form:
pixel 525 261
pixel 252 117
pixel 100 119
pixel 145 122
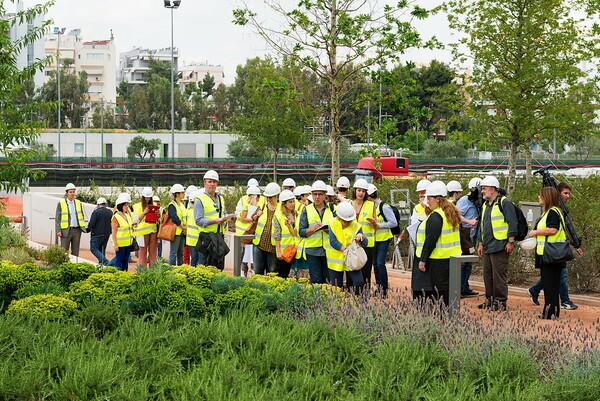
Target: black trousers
pixel 551 284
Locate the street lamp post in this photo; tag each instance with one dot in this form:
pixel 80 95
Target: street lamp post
pixel 172 5
pixel 58 31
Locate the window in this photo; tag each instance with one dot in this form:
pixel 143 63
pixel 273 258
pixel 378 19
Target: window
pixel 94 56
pixel 78 149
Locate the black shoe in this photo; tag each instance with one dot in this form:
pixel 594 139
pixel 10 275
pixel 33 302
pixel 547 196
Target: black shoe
pixel 469 294
pixel 534 297
pixel 498 306
pixel 485 305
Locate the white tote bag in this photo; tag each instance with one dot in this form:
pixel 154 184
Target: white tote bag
pixel 355 256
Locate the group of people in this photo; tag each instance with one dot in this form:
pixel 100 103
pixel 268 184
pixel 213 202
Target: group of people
pixel 320 223
pixel 450 223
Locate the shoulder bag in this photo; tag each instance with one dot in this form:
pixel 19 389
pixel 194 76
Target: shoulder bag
pixel 355 256
pixel 167 228
pixel 557 252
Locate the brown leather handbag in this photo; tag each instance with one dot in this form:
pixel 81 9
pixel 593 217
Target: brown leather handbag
pixel 167 228
pixel 249 231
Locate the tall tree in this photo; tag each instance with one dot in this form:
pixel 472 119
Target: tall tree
pixel 208 84
pixel 527 57
pixel 337 39
pixel 18 113
pixel 137 105
pixel 273 109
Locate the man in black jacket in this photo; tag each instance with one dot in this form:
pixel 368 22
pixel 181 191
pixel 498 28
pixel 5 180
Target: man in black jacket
pixel 100 227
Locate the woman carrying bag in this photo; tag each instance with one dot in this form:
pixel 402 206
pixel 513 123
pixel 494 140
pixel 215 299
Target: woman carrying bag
pixel 285 232
pixel 178 215
pixel 549 229
pixel 342 231
pixel 265 257
pixel 438 238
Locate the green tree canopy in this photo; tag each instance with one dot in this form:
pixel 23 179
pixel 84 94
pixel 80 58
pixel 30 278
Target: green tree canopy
pixel 142 147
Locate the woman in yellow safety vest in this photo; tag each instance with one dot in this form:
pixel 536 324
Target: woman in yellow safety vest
pixel 367 218
pixel 284 230
pixel 122 232
pixel 438 238
pixel 178 214
pixel 250 204
pixel 147 223
pixel 344 229
pixel 549 228
pixel 265 257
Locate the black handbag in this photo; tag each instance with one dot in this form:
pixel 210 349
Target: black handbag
pixel 134 246
pixel 557 252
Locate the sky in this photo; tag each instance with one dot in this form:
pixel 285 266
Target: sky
pixel 203 31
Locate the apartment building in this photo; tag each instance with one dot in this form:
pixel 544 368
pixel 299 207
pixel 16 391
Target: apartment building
pixel 97 58
pixel 196 71
pixel 134 65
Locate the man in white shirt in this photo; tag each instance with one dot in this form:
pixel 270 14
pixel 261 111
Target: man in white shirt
pixel 69 220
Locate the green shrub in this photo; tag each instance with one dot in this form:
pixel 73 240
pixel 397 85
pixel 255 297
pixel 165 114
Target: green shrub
pixel 198 276
pixel 237 298
pixel 34 253
pixel 100 316
pixel 156 289
pixel 223 283
pixel 14 277
pixel 108 287
pixel 68 273
pixel 11 238
pixel 16 255
pixel 37 289
pixel 42 306
pixel 55 255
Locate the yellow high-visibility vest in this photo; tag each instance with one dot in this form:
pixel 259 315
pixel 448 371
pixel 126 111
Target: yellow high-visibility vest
pixel 381 234
pixel 211 212
pixel 366 211
pixel 125 230
pixel 143 227
pixel 559 236
pixel 335 258
pixel 448 243
pixel 64 214
pixel 286 236
pixel 499 224
pixel 321 237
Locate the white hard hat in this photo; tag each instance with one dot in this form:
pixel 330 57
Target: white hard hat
pixel 123 198
pixel 318 186
pixel 310 198
pixel 297 190
pixel 305 189
pixel 70 186
pixel 423 184
pixel 454 186
pixel 253 190
pixel 436 188
pixel 211 175
pixel 252 182
pixel 288 182
pixel 474 183
pixel 155 198
pixel 343 182
pixel 361 183
pixel 372 189
pixel 101 201
pixel 177 188
pixel 528 243
pixel 272 189
pixel 490 181
pixel 147 192
pixel 330 191
pixel 191 189
pixel 286 195
pixel 127 196
pixel 345 211
pixel 194 195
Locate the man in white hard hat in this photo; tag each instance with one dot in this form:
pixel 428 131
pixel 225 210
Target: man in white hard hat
pixel 418 213
pixel 496 242
pixel 100 228
pixel 469 209
pixel 288 184
pixel 343 186
pixel 313 227
pixel 69 220
pixel 210 216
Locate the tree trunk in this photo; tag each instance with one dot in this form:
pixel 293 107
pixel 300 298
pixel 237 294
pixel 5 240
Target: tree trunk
pixel 512 167
pixel 275 154
pixel 334 106
pixel 528 157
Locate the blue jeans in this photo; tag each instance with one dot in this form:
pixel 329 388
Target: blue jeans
pixel 194 256
pixel 465 274
pixel 264 261
pixel 381 274
pixel 337 279
pixel 176 252
pixel 317 268
pixel 98 248
pixel 122 258
pixel 563 288
pixel 159 252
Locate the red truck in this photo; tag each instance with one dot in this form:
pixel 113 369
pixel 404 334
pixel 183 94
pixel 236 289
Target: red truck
pixel 387 166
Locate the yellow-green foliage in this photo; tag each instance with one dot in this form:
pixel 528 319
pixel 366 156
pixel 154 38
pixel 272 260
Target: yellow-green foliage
pixel 42 306
pixel 69 273
pixel 54 255
pixel 15 255
pixel 108 286
pixel 234 298
pixel 198 276
pixel 13 277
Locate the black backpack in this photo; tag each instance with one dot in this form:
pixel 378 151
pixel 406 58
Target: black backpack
pixel 522 226
pixel 394 230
